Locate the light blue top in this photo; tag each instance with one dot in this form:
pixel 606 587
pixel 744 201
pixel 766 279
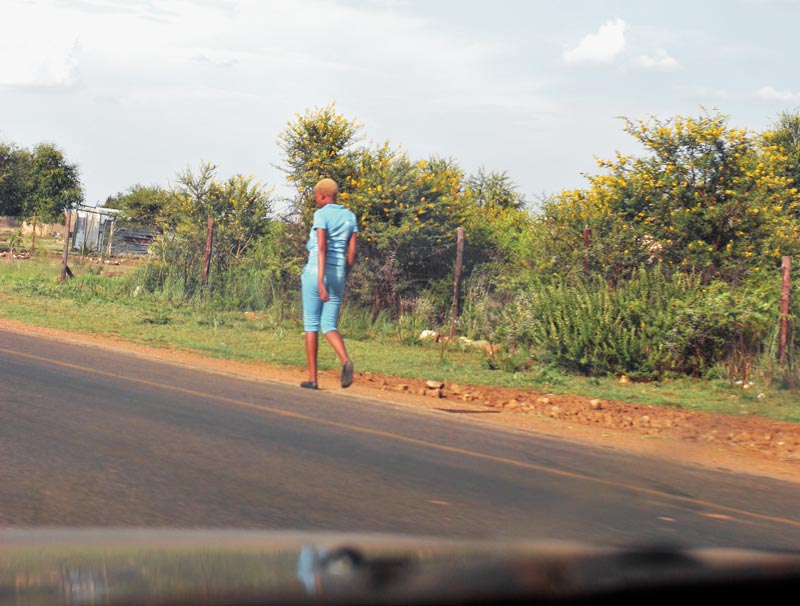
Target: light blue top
pixel 340 224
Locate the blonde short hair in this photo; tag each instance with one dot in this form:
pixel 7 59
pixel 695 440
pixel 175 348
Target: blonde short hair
pixel 327 186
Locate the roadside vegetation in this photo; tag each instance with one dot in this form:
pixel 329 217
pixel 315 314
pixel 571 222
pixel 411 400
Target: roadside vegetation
pixel 660 282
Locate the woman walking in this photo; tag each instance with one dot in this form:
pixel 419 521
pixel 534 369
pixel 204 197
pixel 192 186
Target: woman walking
pixel 331 254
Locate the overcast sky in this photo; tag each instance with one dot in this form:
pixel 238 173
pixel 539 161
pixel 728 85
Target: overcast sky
pixel 135 90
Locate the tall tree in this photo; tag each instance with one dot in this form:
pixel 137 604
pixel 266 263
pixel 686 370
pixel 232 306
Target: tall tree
pixel 705 198
pixel 407 210
pixel 239 208
pixel 56 183
pixel 317 144
pixel 783 139
pixel 494 190
pixel 243 209
pixel 15 165
pixel 55 186
pixel 139 204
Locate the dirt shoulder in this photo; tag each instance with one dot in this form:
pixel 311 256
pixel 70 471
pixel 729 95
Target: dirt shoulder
pixel 744 444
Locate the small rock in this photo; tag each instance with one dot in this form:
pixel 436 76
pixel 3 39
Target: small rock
pixel 596 404
pixel 543 400
pixel 434 384
pixel 429 335
pixel 401 387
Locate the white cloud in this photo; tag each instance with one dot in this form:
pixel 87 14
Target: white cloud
pixel 601 47
pixel 771 94
pixel 34 51
pixel 661 61
pixel 32 66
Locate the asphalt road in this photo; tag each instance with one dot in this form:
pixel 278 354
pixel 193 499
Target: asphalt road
pixel 93 437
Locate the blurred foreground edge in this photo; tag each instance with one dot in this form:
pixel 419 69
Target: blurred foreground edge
pixel 81 567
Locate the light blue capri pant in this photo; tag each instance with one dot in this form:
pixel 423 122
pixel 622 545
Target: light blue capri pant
pixel 317 313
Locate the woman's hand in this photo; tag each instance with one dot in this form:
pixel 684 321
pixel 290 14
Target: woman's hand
pixel 323 292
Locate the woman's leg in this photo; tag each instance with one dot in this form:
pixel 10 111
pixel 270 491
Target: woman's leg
pixel 335 339
pixel 337 342
pixel 311 355
pixel 312 309
pixel 329 320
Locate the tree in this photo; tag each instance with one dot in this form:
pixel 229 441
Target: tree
pixel 140 204
pixel 494 190
pixel 408 213
pixel 15 165
pixel 239 208
pixel 783 139
pixel 407 210
pixel 56 183
pixel 55 186
pixel 706 198
pixel 317 144
pixel 242 215
pixel 502 226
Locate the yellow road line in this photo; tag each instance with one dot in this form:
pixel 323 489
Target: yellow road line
pixel 408 440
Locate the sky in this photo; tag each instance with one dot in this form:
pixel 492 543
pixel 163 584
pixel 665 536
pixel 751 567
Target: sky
pixel 135 91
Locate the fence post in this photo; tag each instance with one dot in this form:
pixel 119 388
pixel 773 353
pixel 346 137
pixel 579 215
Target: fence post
pixel 457 281
pixel 111 237
pixel 65 270
pixel 209 240
pixel 786 270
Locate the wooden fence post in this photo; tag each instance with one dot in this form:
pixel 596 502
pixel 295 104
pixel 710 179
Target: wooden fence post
pixel 786 270
pixel 457 281
pixel 65 270
pixel 110 237
pixel 209 242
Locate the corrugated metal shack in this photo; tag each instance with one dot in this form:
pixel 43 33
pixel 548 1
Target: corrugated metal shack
pixel 95 229
pixel 131 241
pixel 90 226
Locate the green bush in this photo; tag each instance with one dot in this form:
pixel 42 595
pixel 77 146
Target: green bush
pixel 654 325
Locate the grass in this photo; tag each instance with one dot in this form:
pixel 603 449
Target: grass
pixel 103 300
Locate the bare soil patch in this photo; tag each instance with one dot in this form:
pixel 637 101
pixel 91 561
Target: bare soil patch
pixel 738 443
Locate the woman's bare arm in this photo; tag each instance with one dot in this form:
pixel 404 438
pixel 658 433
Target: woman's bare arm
pixel 322 259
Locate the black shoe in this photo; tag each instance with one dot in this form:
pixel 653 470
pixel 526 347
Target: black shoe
pixel 347 374
pixel 309 385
